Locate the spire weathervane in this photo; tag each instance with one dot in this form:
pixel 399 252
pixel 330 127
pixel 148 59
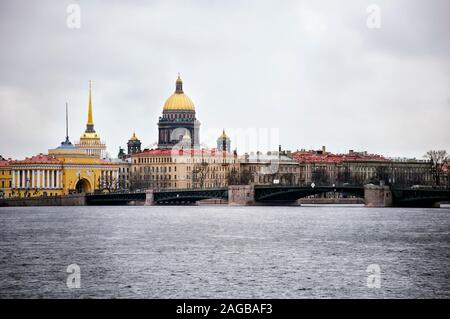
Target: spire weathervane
pixel 67 121
pixel 67 143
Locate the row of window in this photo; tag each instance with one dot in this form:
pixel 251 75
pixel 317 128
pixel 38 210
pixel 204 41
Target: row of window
pixel 179 116
pixel 184 159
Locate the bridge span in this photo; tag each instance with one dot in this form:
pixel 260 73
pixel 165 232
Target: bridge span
pixel 374 195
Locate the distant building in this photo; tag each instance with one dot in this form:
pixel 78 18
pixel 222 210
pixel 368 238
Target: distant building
pixel 124 172
pixel 175 169
pixel 271 168
pixel 121 155
pixel 5 178
pixel 134 145
pixel 322 167
pixel 224 142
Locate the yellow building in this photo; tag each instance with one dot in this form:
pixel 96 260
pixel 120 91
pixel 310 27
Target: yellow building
pixel 184 168
pixel 5 178
pixel 64 170
pixel 90 140
pixel 84 173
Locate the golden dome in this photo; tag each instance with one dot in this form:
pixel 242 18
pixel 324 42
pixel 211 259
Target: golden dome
pixel 179 100
pixel 134 137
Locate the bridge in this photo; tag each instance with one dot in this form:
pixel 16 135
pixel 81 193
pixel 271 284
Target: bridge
pixel 420 197
pixel 158 197
pixel 374 196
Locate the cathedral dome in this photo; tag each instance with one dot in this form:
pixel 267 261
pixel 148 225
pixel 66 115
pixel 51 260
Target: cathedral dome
pixel 179 100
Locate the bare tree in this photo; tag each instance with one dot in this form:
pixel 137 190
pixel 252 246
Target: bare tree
pixel 287 179
pixel 199 174
pixel 110 184
pixel 344 175
pixel 320 176
pixel 438 160
pixel 244 177
pixel 233 177
pixel 138 181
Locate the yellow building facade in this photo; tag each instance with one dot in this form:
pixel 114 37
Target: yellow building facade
pixel 64 170
pixel 179 169
pixel 5 178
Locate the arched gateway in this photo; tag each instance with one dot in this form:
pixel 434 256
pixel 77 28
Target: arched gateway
pixel 83 186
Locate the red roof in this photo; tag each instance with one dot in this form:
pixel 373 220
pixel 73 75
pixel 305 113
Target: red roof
pixel 4 163
pixel 182 152
pixel 313 157
pixel 38 159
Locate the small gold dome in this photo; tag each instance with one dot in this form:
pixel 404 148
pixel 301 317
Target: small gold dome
pixel 224 135
pixel 134 137
pixel 179 100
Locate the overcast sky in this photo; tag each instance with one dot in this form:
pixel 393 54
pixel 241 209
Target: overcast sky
pixel 311 69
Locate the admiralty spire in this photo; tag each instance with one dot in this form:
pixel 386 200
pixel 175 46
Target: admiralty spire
pixel 90 140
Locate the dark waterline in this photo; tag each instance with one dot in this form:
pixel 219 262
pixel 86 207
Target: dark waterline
pixel 224 252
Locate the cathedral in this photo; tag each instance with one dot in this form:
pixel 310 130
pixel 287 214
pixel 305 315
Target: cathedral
pixel 178 124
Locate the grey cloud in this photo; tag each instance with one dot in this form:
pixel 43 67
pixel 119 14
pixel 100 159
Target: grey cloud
pixel 244 63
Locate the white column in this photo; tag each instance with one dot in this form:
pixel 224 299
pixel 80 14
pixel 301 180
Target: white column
pixel 57 179
pixel 47 180
pixel 52 178
pixel 18 178
pixel 38 178
pixel 13 182
pixel 32 178
pixel 22 182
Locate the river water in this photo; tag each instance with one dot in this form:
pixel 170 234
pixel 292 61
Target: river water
pixel 224 252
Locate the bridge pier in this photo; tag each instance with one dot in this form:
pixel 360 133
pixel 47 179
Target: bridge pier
pixel 241 195
pixel 149 198
pixel 377 196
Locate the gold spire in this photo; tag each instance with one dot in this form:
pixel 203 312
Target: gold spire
pixel 90 121
pixel 224 135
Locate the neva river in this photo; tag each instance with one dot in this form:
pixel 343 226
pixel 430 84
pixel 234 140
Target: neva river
pixel 224 252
